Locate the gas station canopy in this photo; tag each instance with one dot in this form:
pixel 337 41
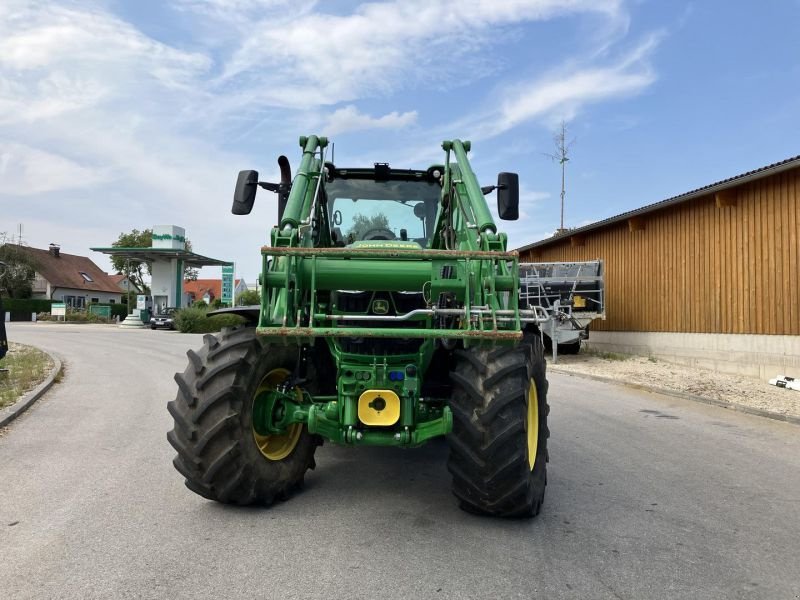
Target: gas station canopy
pixel 190 259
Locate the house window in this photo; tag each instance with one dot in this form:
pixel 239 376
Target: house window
pixel 75 301
pixel 112 301
pixel 86 277
pixel 95 300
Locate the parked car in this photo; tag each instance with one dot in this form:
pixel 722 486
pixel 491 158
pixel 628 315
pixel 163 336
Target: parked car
pixel 164 319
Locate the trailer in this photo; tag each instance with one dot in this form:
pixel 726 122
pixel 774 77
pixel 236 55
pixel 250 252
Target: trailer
pixel 571 294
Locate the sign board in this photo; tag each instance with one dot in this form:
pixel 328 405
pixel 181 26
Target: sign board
pixel 227 285
pixel 58 309
pixel 100 311
pixel 169 236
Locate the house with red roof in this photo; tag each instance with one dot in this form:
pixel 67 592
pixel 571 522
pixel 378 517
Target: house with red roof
pixel 209 289
pixel 74 280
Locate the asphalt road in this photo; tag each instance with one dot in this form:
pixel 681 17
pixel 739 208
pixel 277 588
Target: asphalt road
pixel 648 497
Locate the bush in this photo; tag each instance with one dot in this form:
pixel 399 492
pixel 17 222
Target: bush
pixel 200 304
pixel 216 303
pixel 84 317
pixel 248 298
pixel 194 320
pixel 117 310
pixel 73 316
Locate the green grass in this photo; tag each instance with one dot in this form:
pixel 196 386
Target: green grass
pixel 27 368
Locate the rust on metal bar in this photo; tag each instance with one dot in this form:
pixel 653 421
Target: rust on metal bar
pixel 344 332
pixel 389 253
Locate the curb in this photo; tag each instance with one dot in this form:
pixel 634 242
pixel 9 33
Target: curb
pixel 12 412
pixel 686 396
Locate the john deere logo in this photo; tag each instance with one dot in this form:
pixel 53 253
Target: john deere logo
pixel 380 307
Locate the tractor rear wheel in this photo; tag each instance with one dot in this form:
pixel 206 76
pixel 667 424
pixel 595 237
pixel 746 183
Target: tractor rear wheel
pixel 498 446
pixel 219 453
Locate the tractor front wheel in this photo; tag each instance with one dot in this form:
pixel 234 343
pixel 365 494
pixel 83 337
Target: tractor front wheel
pixel 498 446
pixel 219 453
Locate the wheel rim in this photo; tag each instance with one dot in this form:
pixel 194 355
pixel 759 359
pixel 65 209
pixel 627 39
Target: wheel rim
pixel 276 447
pixel 533 424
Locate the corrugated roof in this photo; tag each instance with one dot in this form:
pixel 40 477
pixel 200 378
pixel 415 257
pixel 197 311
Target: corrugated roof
pixel 64 271
pixel 778 167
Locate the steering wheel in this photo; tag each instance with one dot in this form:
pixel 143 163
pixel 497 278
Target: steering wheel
pixel 379 233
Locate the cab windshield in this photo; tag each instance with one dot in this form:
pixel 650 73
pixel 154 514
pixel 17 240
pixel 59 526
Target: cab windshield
pixel 364 209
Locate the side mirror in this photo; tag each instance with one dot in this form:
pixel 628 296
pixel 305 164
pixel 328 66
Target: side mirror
pixel 508 196
pixel 245 194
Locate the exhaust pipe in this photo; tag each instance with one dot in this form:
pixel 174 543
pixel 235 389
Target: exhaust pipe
pixel 285 186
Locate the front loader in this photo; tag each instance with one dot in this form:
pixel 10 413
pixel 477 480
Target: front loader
pixel 389 316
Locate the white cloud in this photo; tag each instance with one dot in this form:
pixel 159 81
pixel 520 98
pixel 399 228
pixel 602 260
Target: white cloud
pixel 41 36
pixel 350 119
pixel 326 59
pixel 561 94
pixel 25 171
pixel 96 114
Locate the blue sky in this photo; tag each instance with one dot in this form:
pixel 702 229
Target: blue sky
pixel 120 114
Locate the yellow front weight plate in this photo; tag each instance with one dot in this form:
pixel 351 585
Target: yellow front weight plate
pixel 533 424
pixel 379 407
pixel 277 447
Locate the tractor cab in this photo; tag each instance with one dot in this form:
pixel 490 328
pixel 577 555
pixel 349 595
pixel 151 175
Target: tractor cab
pixel 369 207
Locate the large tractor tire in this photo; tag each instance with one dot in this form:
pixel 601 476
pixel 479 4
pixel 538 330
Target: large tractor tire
pixel 498 446
pixel 219 453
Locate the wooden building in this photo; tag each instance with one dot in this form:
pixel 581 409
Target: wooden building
pixel 709 277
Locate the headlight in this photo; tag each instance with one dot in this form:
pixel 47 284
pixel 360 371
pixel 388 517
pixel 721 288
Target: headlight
pixel 152 320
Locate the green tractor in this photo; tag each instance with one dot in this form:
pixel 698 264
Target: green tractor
pixel 389 316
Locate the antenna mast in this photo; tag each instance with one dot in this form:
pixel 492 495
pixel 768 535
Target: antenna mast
pixel 561 155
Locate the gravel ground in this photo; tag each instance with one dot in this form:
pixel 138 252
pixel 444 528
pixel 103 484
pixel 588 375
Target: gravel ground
pixel 693 380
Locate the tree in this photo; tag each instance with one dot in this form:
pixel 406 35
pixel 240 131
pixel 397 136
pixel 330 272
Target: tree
pixel 363 223
pixel 189 273
pixel 248 298
pixel 18 272
pixel 136 270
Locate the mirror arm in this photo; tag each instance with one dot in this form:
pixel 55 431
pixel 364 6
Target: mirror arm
pixel 274 187
pixel 488 189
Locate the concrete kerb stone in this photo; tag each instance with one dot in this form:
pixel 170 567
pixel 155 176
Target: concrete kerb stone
pixel 686 396
pixel 10 413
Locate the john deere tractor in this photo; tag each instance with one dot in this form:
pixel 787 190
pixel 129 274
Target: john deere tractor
pixel 389 316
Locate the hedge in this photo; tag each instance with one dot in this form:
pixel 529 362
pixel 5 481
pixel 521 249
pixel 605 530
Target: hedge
pixel 27 305
pixel 194 320
pixel 117 310
pixel 21 309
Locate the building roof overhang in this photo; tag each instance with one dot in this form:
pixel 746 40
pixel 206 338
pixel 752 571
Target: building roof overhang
pixel 190 259
pixel 732 182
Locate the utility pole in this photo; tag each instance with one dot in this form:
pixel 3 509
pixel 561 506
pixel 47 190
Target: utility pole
pixel 561 155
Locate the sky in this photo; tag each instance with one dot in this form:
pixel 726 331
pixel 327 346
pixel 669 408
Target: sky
pixel 117 114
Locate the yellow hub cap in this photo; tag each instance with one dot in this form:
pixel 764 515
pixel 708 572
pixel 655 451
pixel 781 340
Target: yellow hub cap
pixel 533 424
pixel 277 447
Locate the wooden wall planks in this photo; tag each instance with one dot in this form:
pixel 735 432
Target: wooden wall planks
pixel 699 268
